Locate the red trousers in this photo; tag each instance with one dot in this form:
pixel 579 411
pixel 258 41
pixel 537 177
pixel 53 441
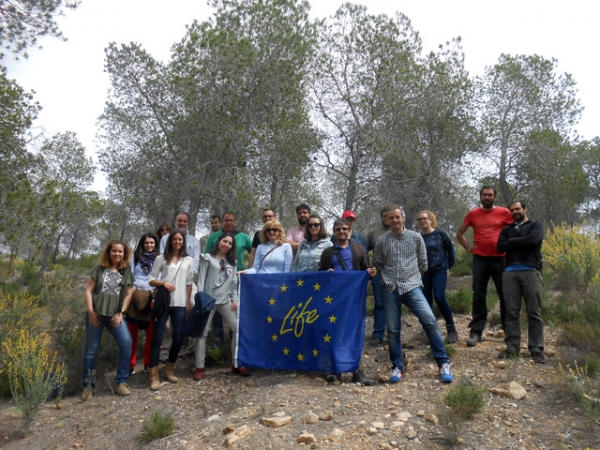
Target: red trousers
pixel 134 330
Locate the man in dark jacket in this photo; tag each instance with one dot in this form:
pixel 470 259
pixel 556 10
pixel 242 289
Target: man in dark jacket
pixel 522 277
pixel 345 255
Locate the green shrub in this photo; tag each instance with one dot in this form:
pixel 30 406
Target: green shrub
pixel 460 300
pixel 465 399
pixel 573 253
pixel 159 426
pixel 33 374
pixel 580 385
pixel 464 263
pixel 591 365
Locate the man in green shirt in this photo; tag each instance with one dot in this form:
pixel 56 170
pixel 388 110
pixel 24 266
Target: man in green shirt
pixel 243 243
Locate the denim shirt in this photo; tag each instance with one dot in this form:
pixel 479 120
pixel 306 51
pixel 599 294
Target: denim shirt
pixel 309 255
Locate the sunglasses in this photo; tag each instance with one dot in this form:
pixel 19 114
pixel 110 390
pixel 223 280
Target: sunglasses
pixel 341 229
pixel 272 230
pixel 222 264
pixel 422 218
pixel 314 225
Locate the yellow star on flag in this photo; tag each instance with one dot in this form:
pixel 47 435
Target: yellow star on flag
pixel 327 338
pixel 274 337
pixel 317 287
pixel 270 319
pixel 272 301
pixel 300 282
pixel 328 299
pixel 300 357
pixel 332 319
pixel 284 288
pixel 286 351
pixel 315 352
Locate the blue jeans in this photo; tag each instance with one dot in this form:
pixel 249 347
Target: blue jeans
pixel 177 314
pixel 416 302
pixel 434 287
pixel 93 336
pixel 379 310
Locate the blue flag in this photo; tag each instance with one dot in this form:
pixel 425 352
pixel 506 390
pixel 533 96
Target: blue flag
pixel 302 321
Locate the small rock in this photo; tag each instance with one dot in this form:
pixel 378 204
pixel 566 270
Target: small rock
pixel 276 422
pixel 337 432
pixel 231 440
pixel 432 418
pixel 490 334
pixel 378 425
pixel 501 364
pixel 381 378
pixel 516 390
pixel 326 415
pixel 420 413
pixel 243 431
pixel 228 429
pixel 385 446
pixel 501 333
pixel 396 425
pixel 549 352
pixel 372 430
pixel 310 417
pixel 499 391
pixel 411 433
pixel 306 438
pixel 404 415
pixel 460 440
pixel 213 417
pixel 279 414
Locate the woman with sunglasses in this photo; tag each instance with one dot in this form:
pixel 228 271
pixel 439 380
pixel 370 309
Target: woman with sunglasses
pixel 216 277
pixel 274 255
pixel 440 259
pixel 315 241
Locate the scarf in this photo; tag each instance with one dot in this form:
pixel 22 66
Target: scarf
pixel 146 261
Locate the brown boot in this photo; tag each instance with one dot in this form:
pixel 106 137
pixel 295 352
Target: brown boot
pixel 154 381
pixel 170 372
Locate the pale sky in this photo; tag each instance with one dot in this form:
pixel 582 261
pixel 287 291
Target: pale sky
pixel 69 80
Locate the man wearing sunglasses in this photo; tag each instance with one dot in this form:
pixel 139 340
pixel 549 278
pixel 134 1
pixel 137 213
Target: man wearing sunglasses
pixel 345 255
pixel 353 235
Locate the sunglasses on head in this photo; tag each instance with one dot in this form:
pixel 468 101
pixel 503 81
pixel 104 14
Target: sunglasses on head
pixel 341 229
pixel 314 225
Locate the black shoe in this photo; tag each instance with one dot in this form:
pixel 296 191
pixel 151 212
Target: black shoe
pixel 474 339
pixel 333 377
pixel 376 342
pixel 359 377
pixel 507 354
pixel 539 357
pixel 145 368
pixel 131 371
pixel 452 336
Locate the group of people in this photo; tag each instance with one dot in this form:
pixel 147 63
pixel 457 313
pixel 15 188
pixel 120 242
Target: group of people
pixel 406 267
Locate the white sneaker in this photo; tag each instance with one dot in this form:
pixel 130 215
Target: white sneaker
pixel 396 375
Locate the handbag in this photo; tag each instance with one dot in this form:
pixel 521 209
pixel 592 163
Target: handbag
pixel 140 306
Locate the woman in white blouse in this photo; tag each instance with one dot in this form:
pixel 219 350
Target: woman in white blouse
pixel 174 271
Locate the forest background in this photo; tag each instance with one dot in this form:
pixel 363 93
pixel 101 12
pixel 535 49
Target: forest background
pixel 262 106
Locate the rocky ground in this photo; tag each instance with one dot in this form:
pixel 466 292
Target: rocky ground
pixel 285 410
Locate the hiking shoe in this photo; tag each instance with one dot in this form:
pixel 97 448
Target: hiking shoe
pixel 359 377
pixel 376 342
pixel 146 369
pixel 396 375
pixel 87 393
pixel 507 354
pixel 539 357
pixel 131 371
pixel 122 389
pixel 452 336
pixel 474 339
pixel 243 371
pixel 199 373
pixel 446 373
pixel 333 377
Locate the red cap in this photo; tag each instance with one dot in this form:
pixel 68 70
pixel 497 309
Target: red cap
pixel 348 214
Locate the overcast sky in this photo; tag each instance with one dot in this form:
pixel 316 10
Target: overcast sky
pixel 70 83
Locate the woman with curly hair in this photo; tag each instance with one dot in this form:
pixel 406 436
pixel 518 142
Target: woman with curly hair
pixel 274 255
pixel 107 296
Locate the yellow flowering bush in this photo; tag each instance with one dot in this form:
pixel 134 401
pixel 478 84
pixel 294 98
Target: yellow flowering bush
pixel 573 254
pixel 33 373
